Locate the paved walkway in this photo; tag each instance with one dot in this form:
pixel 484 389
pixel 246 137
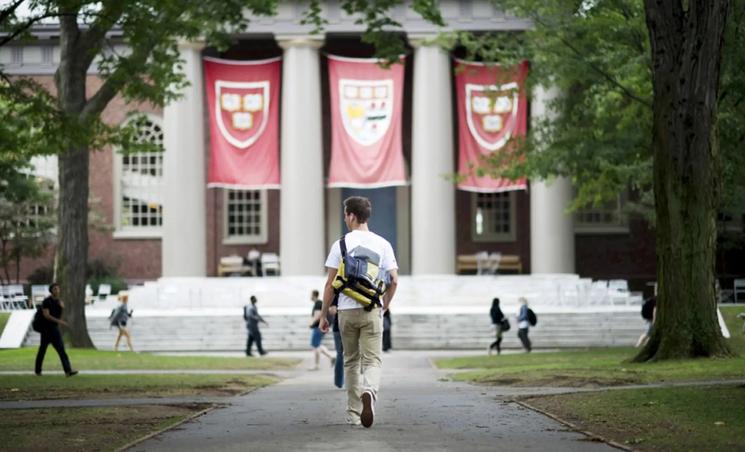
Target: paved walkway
pixel 416 412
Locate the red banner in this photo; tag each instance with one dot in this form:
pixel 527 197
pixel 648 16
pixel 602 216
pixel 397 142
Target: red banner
pixel 243 101
pixel 366 105
pixel 492 109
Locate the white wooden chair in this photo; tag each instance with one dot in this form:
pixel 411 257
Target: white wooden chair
pixel 104 290
pixel 739 288
pixel 39 293
pixel 14 296
pixel 270 262
pixel 5 300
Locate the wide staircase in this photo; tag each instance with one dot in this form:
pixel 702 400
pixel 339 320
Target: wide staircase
pixel 437 312
pixel 410 331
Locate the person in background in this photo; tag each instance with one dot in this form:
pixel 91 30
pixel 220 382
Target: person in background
pixel 649 313
pixel 523 325
pixel 252 318
pixel 496 319
pixel 119 317
pixel 387 322
pixel 51 309
pixel 316 335
pixel 339 364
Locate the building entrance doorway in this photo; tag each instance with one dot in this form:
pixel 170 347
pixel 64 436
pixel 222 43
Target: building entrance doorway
pixel 384 220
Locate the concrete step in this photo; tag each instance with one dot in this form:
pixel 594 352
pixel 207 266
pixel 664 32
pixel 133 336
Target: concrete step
pixel 409 331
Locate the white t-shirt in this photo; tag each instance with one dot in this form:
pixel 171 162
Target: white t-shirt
pixel 369 240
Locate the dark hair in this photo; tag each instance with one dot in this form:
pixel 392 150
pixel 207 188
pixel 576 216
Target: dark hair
pixel 52 286
pixel 315 293
pixel 253 299
pixel 495 301
pixel 359 206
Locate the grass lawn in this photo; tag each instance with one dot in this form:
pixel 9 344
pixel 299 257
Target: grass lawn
pixel 86 429
pixel 31 387
pixel 695 418
pixel 587 368
pixel 689 418
pixel 4 316
pixel 89 359
pixel 598 366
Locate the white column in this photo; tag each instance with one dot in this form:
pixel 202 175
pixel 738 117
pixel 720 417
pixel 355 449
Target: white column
pixel 432 195
pixel 302 214
pixel 551 228
pixel 184 243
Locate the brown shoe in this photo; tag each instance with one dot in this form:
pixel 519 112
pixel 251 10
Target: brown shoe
pixel 368 409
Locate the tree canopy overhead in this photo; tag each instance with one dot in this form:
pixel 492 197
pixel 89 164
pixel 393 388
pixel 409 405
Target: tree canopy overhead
pixel 147 69
pixel 638 106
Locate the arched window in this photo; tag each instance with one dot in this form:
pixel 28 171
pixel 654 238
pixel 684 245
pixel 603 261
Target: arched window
pixel 138 186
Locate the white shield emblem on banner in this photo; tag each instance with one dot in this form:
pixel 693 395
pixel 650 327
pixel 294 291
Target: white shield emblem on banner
pixel 366 108
pixel 491 113
pixel 241 110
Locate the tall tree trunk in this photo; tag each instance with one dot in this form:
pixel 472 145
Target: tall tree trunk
pixel 686 53
pixel 72 238
pixel 72 245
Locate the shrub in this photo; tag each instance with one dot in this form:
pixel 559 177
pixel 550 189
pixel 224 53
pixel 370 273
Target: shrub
pixel 42 275
pixel 102 272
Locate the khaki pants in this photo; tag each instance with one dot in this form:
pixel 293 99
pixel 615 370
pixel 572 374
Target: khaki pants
pixel 362 336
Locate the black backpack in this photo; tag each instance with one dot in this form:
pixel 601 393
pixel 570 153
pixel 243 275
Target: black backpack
pixel 39 322
pixel 532 318
pixel 648 308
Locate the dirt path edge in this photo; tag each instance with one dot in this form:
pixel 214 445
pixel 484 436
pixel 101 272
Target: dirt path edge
pixel 574 427
pixel 169 427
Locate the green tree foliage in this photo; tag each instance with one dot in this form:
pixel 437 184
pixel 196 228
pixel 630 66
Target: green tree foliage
pixel 148 71
pixel 627 114
pixel 26 217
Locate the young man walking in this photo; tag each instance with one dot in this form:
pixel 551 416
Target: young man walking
pixel 361 329
pixel 252 318
pixel 51 309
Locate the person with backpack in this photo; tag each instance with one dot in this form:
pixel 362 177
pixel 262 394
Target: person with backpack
pixel 252 318
pixel 118 318
pixel 364 280
pixel 649 314
pixel 524 323
pixel 501 325
pixel 50 318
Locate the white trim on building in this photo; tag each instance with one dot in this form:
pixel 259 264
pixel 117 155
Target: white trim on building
pixel 138 187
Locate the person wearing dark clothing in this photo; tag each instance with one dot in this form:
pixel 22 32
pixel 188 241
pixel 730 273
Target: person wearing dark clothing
pixel 339 364
pixel 252 318
pixel 496 319
pixel 523 324
pixel 52 308
pixel 649 312
pixel 316 335
pixel 387 322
